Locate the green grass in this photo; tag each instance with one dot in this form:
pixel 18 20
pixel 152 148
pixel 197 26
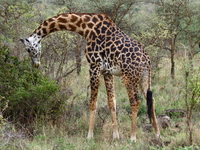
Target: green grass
pixel 70 131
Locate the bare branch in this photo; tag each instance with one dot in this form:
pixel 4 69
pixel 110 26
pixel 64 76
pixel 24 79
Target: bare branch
pixel 125 13
pixel 65 74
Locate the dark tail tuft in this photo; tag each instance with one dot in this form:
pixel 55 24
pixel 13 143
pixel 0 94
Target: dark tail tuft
pixel 149 104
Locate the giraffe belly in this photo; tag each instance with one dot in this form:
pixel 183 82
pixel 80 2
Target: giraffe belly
pixel 115 70
pixel 107 69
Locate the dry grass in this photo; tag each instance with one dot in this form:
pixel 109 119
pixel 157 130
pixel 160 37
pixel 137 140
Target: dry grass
pixel 71 131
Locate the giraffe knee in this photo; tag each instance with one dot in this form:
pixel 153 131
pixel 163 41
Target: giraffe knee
pixel 135 103
pixel 135 106
pixel 112 105
pixel 93 105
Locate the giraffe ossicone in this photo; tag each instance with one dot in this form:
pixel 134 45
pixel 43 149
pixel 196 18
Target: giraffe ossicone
pixel 109 52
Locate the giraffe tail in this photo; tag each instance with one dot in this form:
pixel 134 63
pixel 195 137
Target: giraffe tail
pixel 149 104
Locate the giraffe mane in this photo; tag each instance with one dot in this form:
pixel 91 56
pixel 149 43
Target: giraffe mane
pixel 100 15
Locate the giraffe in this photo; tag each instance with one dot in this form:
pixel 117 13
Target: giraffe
pixel 109 52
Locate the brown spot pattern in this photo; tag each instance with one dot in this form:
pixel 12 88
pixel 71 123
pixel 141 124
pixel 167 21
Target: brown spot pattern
pixel 90 25
pixel 62 20
pixel 72 27
pixel 52 25
pixel 86 19
pixel 50 19
pixel 62 27
pixel 73 18
pixel 45 23
pixel 83 26
pixel 78 24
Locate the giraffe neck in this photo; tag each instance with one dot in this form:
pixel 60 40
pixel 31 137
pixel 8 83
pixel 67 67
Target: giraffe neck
pixel 82 24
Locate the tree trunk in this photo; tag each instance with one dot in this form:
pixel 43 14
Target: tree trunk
pixel 78 54
pixel 191 56
pixel 172 42
pixel 191 52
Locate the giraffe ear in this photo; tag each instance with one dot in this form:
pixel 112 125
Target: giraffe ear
pixel 22 40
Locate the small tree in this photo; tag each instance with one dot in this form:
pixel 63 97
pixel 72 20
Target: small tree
pixel 192 95
pixel 180 17
pixel 190 25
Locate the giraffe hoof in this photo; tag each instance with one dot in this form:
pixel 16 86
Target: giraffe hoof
pixel 158 136
pixel 90 136
pixel 133 139
pixel 115 136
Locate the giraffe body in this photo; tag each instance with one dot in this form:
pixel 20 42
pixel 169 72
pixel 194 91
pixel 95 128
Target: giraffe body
pixel 109 52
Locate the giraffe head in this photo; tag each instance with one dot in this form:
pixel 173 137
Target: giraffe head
pixel 33 47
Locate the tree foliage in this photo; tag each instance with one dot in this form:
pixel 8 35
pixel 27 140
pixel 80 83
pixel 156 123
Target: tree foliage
pixel 192 95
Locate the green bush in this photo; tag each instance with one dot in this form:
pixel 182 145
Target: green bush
pixel 29 94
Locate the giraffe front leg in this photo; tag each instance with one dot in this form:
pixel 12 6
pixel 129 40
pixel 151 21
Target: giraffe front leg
pixel 109 82
pixel 92 120
pixel 94 83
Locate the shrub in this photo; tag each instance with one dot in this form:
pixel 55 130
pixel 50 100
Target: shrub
pixel 28 93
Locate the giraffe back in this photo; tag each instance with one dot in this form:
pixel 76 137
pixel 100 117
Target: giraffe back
pixel 116 52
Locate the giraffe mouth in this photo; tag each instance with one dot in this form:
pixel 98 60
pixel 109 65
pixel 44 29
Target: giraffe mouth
pixel 36 63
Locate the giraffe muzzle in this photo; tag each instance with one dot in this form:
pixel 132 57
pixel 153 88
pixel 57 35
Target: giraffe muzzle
pixel 36 62
pixel 36 65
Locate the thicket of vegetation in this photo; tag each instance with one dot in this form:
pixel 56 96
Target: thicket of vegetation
pixel 47 108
